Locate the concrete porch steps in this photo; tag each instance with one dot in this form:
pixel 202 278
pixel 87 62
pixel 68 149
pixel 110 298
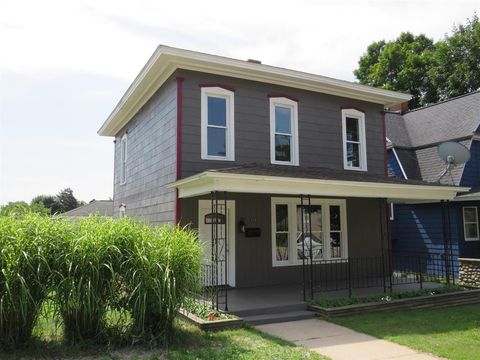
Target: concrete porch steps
pixel 298 306
pixel 275 314
pixel 279 317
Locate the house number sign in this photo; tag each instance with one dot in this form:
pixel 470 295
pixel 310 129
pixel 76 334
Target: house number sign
pixel 215 218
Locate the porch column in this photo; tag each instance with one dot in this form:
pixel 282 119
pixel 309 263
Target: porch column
pixel 446 237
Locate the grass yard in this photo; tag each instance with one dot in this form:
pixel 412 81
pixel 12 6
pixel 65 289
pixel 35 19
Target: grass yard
pixel 189 343
pixel 453 333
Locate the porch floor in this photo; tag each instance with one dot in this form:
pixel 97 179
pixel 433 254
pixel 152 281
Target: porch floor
pixel 254 299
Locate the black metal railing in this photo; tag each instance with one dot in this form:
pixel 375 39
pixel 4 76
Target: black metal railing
pixel 383 271
pixel 213 281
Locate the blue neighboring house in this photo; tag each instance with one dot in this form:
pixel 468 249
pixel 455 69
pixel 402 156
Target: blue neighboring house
pixel 412 140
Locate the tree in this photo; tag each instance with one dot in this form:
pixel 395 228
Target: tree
pixel 427 70
pixel 67 201
pixel 21 207
pixel 48 201
pixel 456 64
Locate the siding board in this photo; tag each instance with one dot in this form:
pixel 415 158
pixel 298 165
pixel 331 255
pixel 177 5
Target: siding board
pixel 320 125
pixel 151 160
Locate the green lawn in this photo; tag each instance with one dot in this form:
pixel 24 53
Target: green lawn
pixel 453 333
pixel 189 343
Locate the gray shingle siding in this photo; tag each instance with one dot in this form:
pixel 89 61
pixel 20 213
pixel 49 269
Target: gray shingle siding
pixel 320 126
pixel 151 159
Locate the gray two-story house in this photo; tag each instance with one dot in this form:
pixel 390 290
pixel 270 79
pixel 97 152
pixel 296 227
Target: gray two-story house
pixel 276 168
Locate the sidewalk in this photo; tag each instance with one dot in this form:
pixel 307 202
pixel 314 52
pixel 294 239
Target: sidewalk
pixel 340 343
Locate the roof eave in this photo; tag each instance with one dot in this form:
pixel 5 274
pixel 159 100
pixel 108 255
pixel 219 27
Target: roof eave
pixel 166 60
pixel 208 181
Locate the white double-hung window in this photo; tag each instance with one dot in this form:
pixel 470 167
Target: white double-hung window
pixel 354 140
pixel 319 232
pixel 283 131
pixel 470 223
pixel 217 119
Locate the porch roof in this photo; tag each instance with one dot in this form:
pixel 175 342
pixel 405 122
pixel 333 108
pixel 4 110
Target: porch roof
pixel 291 180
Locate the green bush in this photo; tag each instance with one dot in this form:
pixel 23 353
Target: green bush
pixel 95 270
pixel 27 250
pixel 160 272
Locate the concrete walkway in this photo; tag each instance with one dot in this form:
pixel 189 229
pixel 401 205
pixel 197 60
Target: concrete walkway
pixel 340 343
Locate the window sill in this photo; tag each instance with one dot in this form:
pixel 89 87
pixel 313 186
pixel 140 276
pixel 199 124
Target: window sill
pixel 469 240
pixel 216 158
pixel 354 168
pixel 315 262
pixel 284 163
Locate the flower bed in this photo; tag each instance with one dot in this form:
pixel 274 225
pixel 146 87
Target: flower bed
pixel 442 297
pixel 207 318
pixel 329 302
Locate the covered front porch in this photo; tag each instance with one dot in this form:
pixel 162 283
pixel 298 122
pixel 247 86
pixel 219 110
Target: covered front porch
pixel 280 235
pixel 275 298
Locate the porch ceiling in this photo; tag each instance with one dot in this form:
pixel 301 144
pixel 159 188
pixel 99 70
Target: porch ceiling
pixel 310 181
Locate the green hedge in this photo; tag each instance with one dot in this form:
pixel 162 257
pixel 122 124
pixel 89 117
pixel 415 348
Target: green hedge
pixel 89 268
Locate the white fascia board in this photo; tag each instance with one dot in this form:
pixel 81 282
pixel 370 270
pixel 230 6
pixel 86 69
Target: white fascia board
pixel 166 60
pixel 468 197
pixel 208 181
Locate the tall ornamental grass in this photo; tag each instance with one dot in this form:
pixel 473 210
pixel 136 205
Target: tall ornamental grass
pixel 160 273
pixel 28 246
pixel 94 270
pixel 84 281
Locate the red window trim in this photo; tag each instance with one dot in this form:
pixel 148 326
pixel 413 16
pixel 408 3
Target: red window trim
pixel 353 108
pixel 226 87
pixel 279 95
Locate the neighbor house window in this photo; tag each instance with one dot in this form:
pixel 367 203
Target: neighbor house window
pixel 324 235
pixel 283 131
pixel 470 223
pixel 217 124
pixel 354 143
pixel 123 159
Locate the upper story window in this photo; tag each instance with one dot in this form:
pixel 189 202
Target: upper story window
pixel 354 142
pixel 217 124
pixel 283 131
pixel 470 223
pixel 123 159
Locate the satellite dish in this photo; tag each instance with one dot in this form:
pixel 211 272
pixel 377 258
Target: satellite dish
pixel 453 154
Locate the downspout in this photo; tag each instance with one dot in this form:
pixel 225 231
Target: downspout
pixel 385 157
pixel 178 175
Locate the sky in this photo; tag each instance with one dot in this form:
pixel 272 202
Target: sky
pixel 65 64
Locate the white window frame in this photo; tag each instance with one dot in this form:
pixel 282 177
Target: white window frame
pixel 360 116
pixel 292 204
pixel 229 122
pixel 123 159
pixel 293 106
pixel 465 223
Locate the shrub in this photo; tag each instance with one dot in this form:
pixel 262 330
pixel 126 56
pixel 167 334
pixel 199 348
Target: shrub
pixel 105 276
pixel 84 278
pixel 160 272
pixel 27 247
